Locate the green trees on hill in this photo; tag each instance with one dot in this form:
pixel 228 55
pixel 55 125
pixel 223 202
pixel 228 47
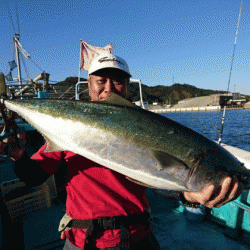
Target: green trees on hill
pixel 161 94
pixel 167 94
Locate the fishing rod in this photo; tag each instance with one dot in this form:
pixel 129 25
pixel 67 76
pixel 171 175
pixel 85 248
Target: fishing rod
pixel 230 73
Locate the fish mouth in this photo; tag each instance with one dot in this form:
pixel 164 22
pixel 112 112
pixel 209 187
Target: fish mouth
pixel 243 179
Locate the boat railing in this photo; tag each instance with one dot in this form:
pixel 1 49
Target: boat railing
pixel 59 92
pixel 29 91
pixel 78 92
pixel 19 91
pixel 77 89
pixel 140 90
pixel 64 93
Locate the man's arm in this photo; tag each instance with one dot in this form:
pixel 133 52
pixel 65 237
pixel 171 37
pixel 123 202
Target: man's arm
pixel 29 171
pixel 26 169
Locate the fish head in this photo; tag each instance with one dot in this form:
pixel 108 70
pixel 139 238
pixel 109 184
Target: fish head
pixel 212 167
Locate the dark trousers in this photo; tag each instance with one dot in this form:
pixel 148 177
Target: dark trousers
pixel 149 243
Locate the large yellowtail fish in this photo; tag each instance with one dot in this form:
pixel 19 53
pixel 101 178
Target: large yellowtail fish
pixel 146 147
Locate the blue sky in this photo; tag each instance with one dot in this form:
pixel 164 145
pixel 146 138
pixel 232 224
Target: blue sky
pixel 190 40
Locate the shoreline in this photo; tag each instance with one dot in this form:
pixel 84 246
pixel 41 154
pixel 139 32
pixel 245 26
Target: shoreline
pixel 193 109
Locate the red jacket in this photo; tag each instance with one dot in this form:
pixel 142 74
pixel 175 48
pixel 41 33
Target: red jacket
pixel 95 191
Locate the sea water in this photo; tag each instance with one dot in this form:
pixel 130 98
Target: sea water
pixel 236 131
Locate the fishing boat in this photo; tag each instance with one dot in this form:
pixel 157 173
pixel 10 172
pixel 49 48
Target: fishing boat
pixel 32 216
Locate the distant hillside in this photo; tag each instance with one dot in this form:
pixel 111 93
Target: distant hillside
pixel 162 94
pixel 167 94
pixel 68 82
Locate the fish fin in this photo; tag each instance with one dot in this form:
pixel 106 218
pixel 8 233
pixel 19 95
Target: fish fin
pixel 118 100
pixel 51 146
pixel 166 160
pixel 139 183
pixel 113 99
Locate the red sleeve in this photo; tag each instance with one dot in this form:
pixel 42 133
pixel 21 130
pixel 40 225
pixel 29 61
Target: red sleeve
pixel 48 161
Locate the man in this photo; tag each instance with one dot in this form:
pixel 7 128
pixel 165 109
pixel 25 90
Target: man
pixel 108 211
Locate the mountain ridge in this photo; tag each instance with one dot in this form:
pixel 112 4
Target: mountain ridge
pixel 162 94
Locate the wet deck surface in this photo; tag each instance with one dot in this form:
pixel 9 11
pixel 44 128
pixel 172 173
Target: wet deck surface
pixel 175 231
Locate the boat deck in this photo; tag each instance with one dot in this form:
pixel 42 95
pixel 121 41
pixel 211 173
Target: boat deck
pixel 170 225
pixel 175 230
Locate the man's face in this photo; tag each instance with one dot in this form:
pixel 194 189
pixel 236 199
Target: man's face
pixel 103 82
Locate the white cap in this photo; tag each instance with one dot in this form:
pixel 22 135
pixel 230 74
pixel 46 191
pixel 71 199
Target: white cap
pixel 108 60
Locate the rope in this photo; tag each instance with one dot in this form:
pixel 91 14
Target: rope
pixel 11 20
pixel 36 64
pixel 17 19
pixel 25 67
pixel 230 73
pixel 13 52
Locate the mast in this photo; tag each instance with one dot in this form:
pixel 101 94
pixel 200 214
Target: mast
pixel 80 60
pixel 16 41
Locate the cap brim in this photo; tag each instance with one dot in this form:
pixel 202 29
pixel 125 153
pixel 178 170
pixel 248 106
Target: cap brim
pixel 122 72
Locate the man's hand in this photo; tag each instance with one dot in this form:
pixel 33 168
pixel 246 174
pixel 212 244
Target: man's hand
pixel 15 151
pixel 3 145
pixel 210 196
